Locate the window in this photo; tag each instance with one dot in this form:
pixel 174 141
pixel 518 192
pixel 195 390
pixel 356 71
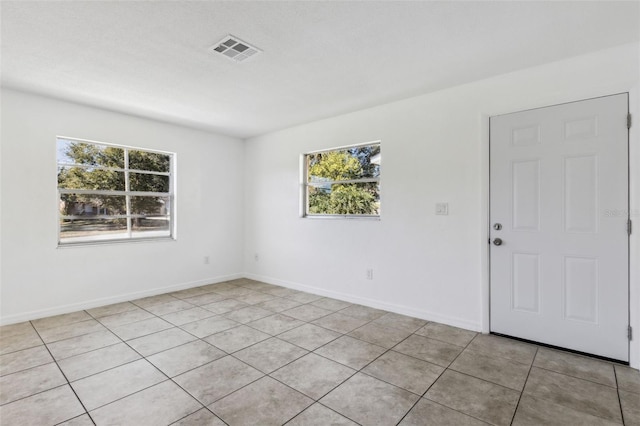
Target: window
pixel 110 192
pixel 342 182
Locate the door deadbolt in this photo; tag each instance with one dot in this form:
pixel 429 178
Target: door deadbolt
pixel 497 242
pixel 497 226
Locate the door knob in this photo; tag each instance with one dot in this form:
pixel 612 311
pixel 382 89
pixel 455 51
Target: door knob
pixel 497 226
pixel 497 242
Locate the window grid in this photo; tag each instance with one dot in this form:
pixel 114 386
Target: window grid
pixel 127 193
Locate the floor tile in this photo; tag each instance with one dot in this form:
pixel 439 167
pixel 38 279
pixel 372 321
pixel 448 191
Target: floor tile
pixel 309 336
pixel 217 379
pixel 141 328
pixel 330 304
pixel 446 333
pixel 628 378
pixel 224 306
pixel 278 305
pixel 575 365
pixel 282 291
pixel 255 285
pixel 186 357
pixel 351 352
pixel 536 411
pixel 54 406
pixel 319 415
pixel 116 308
pixel 370 401
pixel 500 371
pixel 581 395
pixel 201 417
pixel 11 330
pixel 380 335
pixel 313 375
pixel 363 312
pixel 26 358
pixel 17 342
pixel 275 324
pixel 255 298
pixel 161 341
pixel 169 307
pixel 205 299
pixel 191 292
pixel 400 322
pixel 248 314
pixel 235 292
pixel 153 300
pixel 83 420
pixel 89 363
pixel 480 399
pixel 404 371
pixel 307 312
pixel 265 402
pixel 236 338
pixel 59 320
pixel 67 331
pixel 112 321
pixel 161 404
pixel 630 407
pixel 208 326
pixel 108 386
pixel 434 351
pixel 28 382
pixel 340 322
pixel 187 316
pixel 81 344
pixel 427 412
pixel 304 297
pixel 270 354
pixel 504 348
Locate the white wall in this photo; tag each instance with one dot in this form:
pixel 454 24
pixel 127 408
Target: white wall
pixel 39 279
pixel 434 149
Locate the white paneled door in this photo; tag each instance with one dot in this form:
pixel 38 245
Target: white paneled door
pixel 559 239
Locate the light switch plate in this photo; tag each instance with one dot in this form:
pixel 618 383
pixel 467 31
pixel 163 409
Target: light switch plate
pixel 442 208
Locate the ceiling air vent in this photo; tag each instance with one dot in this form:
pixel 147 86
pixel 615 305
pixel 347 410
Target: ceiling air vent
pixel 234 48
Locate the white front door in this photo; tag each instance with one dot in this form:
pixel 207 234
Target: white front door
pixel 559 205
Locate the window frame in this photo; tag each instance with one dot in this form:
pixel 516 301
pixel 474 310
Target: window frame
pixel 304 185
pixel 127 193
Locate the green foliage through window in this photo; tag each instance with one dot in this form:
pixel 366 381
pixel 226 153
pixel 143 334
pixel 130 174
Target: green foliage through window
pixel 110 192
pixel 343 182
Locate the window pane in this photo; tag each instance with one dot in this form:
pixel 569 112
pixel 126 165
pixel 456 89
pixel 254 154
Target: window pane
pixel 345 199
pixel 150 206
pixel 345 164
pixel 148 183
pixel 150 161
pixel 88 178
pixel 74 152
pixel 92 229
pixel 92 205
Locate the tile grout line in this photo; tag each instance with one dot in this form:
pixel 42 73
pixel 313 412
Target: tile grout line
pixel 513 416
pixel 65 378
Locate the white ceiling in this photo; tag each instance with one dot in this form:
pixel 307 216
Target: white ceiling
pixel 320 58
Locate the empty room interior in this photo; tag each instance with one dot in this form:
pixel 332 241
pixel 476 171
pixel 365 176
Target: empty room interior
pixel 320 213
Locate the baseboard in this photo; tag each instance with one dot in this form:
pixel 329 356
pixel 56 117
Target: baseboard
pixel 94 303
pixel 391 307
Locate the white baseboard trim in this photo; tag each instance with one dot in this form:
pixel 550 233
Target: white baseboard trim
pixel 398 309
pixel 94 303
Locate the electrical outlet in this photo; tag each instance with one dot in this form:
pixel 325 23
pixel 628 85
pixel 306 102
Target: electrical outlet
pixel 442 208
pixel 206 260
pixel 369 274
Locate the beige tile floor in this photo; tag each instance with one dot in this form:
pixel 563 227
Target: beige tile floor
pixel 249 353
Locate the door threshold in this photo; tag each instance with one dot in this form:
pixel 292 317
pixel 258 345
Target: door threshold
pixel 602 358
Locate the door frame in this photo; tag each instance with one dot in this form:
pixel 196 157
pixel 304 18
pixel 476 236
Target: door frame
pixel 516 105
